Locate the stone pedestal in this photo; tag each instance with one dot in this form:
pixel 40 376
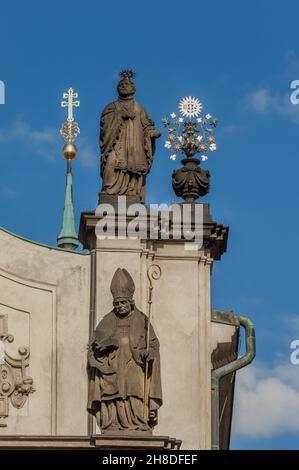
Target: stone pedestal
pixel 85 442
pixel 181 317
pixel 135 442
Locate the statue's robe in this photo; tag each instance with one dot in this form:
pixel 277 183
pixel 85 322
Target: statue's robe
pixel 127 148
pixel 116 373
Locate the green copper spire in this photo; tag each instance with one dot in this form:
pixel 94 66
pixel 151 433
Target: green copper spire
pixel 68 237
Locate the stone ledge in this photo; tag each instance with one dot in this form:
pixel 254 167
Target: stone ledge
pixel 135 442
pixel 215 235
pixel 89 442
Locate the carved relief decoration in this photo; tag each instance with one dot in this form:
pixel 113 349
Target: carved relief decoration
pixel 15 385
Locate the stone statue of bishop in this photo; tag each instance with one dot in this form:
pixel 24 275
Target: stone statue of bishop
pixel 116 365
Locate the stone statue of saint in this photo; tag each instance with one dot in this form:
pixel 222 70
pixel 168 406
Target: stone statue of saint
pixel 118 388
pixel 127 141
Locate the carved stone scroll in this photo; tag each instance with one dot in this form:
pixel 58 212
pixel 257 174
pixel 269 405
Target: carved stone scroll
pixel 15 385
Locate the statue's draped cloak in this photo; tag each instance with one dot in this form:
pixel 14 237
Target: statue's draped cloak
pixel 125 132
pixel 118 371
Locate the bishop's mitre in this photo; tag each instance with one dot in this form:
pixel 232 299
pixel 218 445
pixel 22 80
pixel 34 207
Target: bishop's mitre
pixel 122 285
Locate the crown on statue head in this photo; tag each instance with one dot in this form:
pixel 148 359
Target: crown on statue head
pixel 127 74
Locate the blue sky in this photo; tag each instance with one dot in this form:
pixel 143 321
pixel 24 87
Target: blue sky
pixel 238 58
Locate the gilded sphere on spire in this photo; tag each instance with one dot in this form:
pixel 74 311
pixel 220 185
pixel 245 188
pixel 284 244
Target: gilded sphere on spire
pixel 69 151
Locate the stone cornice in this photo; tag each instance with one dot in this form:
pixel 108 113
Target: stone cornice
pixel 214 235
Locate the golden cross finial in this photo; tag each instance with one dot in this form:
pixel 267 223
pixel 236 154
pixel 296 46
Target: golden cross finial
pixel 70 129
pixel 70 103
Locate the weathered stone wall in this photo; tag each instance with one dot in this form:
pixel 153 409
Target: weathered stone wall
pixel 45 294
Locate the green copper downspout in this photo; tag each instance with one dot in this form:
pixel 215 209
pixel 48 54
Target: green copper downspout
pixel 68 236
pixel 236 320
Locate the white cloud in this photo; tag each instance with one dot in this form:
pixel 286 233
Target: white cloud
pixel 47 142
pixel 263 101
pixel 7 192
pixel 266 401
pixel 292 322
pixel 259 100
pixel 41 142
pixel 86 153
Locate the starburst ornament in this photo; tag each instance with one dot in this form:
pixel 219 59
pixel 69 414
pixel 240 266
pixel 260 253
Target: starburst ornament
pixel 190 107
pixel 190 134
